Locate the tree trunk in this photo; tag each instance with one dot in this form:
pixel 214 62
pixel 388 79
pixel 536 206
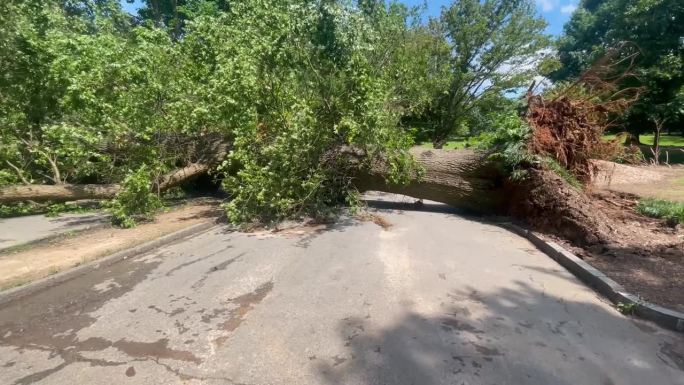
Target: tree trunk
pixel 468 180
pixel 547 203
pixel 438 144
pixel 72 192
pixel 58 192
pixel 463 179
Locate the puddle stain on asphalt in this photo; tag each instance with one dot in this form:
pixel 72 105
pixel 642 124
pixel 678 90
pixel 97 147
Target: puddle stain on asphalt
pixel 47 323
pixel 213 269
pixel 200 259
pixel 246 303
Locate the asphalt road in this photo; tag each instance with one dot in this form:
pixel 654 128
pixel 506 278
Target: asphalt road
pixel 435 299
pixel 20 230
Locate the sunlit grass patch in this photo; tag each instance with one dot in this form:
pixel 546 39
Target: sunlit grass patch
pixel 660 208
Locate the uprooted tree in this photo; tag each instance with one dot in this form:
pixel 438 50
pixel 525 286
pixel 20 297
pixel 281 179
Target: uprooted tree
pixel 296 106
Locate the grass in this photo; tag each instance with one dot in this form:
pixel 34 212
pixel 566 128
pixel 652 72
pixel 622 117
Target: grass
pixel 450 145
pixel 665 140
pixel 563 172
pixel 672 144
pixel 660 208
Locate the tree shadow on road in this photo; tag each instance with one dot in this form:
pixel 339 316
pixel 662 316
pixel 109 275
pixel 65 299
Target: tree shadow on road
pixel 521 336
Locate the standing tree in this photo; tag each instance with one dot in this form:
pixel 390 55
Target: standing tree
pixel 494 46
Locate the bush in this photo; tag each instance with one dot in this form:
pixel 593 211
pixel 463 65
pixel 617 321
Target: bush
pixel 319 111
pixel 135 201
pixel 508 143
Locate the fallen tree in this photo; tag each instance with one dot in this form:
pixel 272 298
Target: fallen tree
pixel 71 192
pixel 465 179
pixel 565 130
pixel 459 178
pixel 470 180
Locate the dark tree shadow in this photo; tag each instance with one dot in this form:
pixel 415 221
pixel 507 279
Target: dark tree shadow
pixel 518 336
pixel 81 220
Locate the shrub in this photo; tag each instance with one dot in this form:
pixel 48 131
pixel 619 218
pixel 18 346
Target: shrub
pixel 135 201
pixel 508 143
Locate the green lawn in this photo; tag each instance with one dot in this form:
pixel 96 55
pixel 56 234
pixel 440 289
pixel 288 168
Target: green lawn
pixel 450 145
pixel 665 140
pixel 672 144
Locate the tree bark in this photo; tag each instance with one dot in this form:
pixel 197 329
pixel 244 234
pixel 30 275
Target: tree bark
pixel 463 179
pixel 72 192
pixel 58 192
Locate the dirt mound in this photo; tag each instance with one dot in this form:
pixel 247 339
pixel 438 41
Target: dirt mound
pixel 548 203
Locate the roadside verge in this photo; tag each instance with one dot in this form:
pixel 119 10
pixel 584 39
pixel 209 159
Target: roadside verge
pixel 30 263
pixel 47 282
pixel 602 284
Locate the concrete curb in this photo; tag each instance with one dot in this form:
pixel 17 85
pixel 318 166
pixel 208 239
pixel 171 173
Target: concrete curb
pixel 47 282
pixel 602 284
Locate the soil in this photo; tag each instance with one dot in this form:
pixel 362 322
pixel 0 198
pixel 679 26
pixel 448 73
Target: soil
pixel 24 265
pixel 547 203
pixel 647 258
pixel 661 182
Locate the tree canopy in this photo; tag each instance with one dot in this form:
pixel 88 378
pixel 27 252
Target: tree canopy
pixel 484 49
pixel 92 95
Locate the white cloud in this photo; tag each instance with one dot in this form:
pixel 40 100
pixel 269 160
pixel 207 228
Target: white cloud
pixel 547 5
pixel 567 9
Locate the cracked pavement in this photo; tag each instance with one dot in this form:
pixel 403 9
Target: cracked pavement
pixel 434 299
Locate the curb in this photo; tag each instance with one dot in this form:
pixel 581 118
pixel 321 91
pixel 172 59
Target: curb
pixel 47 282
pixel 601 283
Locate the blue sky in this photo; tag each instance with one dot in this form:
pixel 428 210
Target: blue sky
pixel 556 12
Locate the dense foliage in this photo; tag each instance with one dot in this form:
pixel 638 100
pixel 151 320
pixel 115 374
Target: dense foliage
pixel 317 89
pixel 92 94
pixel 286 100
